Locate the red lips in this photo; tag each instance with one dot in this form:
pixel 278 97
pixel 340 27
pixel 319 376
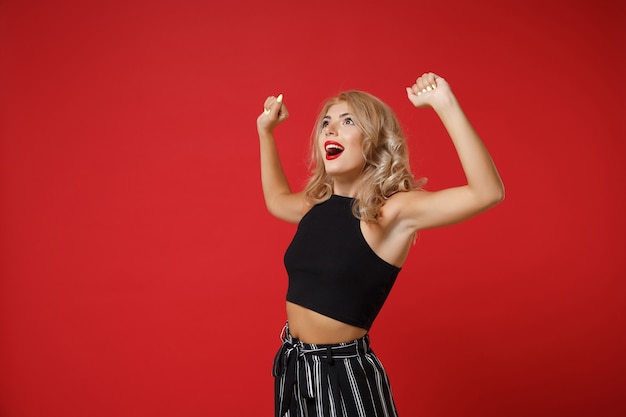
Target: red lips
pixel 333 149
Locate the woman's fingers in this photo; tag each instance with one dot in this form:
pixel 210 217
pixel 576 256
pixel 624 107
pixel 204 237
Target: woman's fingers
pixel 274 113
pixel 268 104
pixel 274 104
pixel 428 90
pixel 427 82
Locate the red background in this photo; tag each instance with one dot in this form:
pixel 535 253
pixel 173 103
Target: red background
pixel 142 276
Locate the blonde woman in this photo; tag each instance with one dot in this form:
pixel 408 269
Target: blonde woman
pixel 357 219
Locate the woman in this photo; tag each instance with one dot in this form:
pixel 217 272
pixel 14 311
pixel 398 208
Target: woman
pixel 357 219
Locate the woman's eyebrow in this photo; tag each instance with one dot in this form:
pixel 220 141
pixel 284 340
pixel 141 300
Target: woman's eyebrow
pixel 340 116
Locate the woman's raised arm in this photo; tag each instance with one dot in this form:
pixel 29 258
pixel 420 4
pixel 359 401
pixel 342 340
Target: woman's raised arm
pixel 484 188
pixel 279 199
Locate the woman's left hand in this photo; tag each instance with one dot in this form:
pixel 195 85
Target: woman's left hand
pixel 429 90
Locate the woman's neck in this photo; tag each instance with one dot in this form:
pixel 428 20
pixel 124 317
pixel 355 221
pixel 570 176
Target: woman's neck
pixel 345 189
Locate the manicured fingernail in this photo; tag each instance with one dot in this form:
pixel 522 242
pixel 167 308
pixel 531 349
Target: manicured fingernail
pixel 429 88
pixel 419 93
pixel 280 98
pixel 433 86
pixel 266 111
pixel 424 90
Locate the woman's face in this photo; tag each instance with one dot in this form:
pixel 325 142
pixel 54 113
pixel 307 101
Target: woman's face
pixel 340 143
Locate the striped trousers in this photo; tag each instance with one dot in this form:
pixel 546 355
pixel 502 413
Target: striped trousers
pixel 338 380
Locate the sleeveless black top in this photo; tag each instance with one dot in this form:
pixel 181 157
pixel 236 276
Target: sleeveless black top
pixel 332 270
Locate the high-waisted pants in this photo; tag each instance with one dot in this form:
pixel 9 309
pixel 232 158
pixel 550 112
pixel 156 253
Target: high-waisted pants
pixel 337 380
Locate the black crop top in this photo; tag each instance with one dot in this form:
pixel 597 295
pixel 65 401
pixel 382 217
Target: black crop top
pixel 332 270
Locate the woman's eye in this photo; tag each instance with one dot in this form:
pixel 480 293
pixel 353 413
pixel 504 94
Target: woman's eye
pixel 348 121
pixel 324 124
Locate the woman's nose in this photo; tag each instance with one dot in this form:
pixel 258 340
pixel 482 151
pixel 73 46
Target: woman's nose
pixel 330 129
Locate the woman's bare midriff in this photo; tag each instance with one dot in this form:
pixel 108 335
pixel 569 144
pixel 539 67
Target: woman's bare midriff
pixel 311 327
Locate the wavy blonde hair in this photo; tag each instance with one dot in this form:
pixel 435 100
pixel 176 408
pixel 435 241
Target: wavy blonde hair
pixel 386 154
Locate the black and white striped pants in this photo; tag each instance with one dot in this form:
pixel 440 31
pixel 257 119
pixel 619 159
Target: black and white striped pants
pixel 338 380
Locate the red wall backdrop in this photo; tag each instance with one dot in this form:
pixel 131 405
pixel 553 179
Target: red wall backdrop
pixel 142 276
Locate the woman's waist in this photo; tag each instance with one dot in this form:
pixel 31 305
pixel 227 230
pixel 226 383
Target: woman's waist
pixel 312 327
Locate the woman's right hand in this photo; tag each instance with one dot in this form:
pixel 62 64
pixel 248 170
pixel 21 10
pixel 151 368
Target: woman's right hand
pixel 274 113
